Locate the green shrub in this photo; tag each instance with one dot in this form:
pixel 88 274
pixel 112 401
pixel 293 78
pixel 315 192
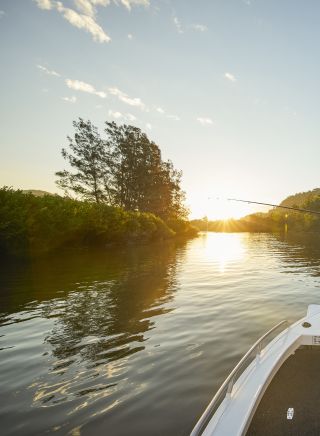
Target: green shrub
pixel 35 225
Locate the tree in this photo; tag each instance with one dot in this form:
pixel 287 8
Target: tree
pixel 125 170
pixel 142 181
pixel 134 162
pixel 89 158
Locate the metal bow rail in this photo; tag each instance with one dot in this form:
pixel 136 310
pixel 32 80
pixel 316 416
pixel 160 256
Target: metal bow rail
pixel 227 386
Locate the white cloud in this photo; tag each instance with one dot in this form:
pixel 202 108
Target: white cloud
pixel 85 22
pixel 126 3
pixel 126 99
pixel 86 17
pixel 148 126
pixel 100 2
pixel 177 24
pixel 130 36
pixel 230 77
pixel 77 85
pixel 115 115
pixel 199 27
pixel 118 115
pixel 50 72
pixel 72 99
pixel 204 121
pixel 45 4
pixel 101 94
pixel 80 86
pixel 129 3
pixel 85 7
pixel 163 112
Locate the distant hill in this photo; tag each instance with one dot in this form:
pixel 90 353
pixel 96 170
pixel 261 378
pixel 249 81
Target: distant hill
pixel 37 192
pixel 301 198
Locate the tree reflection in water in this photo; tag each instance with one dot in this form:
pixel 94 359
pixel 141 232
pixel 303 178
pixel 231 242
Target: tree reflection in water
pixel 101 305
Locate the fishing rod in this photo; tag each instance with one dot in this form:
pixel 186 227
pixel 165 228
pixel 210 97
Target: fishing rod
pixel 276 205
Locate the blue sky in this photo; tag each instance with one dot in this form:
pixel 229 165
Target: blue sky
pixel 228 89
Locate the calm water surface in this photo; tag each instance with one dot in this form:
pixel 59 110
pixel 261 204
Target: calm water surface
pixel 137 340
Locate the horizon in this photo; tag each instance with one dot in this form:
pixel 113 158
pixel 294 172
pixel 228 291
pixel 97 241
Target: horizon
pixel 266 206
pixel 227 90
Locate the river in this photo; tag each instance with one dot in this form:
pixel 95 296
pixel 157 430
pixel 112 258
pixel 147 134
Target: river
pixel 136 340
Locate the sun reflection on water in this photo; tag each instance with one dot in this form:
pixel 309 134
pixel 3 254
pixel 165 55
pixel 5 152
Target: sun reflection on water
pixel 223 249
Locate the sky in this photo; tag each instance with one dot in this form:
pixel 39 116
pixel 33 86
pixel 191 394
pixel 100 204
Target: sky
pixel 228 89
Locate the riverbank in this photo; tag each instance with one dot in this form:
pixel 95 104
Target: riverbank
pixel 31 225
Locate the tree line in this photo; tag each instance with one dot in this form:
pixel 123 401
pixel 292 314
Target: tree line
pixel 124 169
pixel 35 225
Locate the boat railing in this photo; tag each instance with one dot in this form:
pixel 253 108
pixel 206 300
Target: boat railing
pixel 226 388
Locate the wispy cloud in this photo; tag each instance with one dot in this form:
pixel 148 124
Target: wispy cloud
pixel 230 77
pixel 199 27
pixel 82 21
pixel 130 36
pixel 100 2
pixel 204 121
pixel 45 4
pixel 129 3
pixel 115 114
pixel 85 7
pixel 84 17
pixel 161 111
pixel 177 24
pixel 118 115
pixel 126 99
pixel 2 13
pixel 88 7
pixel 148 126
pixel 77 85
pixel 49 72
pixel 72 99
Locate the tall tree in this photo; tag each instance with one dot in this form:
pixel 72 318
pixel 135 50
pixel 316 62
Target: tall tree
pixel 135 161
pixel 89 159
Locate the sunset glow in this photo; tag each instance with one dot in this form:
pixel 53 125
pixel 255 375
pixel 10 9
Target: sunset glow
pixel 222 209
pixel 223 249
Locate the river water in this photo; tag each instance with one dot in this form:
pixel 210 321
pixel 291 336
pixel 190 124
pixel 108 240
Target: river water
pixel 137 340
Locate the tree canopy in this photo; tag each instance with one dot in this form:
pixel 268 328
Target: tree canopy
pixel 124 169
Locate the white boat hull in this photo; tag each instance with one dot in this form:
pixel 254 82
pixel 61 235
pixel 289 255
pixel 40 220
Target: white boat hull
pixel 234 414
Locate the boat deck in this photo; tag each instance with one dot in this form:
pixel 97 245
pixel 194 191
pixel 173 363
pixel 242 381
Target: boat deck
pixel 296 385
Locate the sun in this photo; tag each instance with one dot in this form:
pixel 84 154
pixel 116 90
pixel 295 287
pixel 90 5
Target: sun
pixel 219 209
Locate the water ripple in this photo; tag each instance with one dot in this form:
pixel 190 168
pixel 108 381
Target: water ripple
pixel 140 339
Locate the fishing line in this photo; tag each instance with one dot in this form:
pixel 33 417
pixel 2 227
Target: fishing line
pixel 276 205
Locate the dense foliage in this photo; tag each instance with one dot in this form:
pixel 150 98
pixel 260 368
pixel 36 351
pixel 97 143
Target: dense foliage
pixel 276 220
pixel 34 225
pixel 125 169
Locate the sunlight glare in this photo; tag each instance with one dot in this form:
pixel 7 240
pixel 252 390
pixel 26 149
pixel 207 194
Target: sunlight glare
pixel 223 249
